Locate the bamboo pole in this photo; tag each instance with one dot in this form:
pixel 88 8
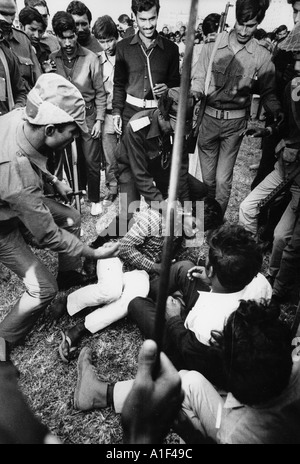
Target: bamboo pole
pixel 174 178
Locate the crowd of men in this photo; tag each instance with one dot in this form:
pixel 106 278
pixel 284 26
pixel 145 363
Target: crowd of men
pixel 228 370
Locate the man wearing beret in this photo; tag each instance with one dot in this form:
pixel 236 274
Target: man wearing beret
pixel 53 116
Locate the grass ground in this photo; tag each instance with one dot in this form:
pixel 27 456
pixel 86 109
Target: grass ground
pixel 49 384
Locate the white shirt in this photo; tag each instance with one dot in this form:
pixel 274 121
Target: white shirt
pixel 212 309
pixel 108 68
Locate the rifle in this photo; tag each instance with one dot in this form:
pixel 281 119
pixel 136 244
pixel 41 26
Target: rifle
pixel 200 108
pixel 272 207
pixel 57 195
pixel 174 179
pixel 223 19
pixel 264 204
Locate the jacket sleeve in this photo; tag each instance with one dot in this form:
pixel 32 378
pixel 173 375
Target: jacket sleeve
pixel 173 73
pixel 267 84
pixel 37 70
pixel 198 81
pixel 195 355
pixel 120 81
pixel 130 244
pixel 21 189
pixel 17 82
pixel 97 78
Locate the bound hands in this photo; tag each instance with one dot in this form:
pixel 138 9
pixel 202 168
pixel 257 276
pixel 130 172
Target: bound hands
pixel 152 404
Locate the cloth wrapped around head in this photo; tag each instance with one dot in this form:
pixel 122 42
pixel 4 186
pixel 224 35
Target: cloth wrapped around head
pixel 55 100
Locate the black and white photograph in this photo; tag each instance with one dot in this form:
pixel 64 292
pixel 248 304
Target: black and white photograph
pixel 149 224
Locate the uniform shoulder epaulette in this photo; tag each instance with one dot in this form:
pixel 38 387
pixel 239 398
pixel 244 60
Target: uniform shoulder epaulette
pixel 266 45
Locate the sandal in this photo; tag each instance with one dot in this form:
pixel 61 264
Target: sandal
pixel 66 347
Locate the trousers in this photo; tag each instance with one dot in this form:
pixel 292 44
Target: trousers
pixel 109 144
pixel 248 212
pixel 219 142
pixel 111 295
pixel 40 284
pixel 89 161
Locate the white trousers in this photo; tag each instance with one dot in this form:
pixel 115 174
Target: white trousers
pixel 112 293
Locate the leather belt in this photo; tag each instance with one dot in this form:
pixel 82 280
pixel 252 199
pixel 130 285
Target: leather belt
pixel 139 102
pixel 225 114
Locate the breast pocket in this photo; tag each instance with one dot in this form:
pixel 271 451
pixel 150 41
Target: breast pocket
pixel 26 66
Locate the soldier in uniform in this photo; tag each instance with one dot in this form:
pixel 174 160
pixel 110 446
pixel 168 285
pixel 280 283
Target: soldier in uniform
pixel 240 67
pixel 18 42
pixel 284 259
pixel 55 110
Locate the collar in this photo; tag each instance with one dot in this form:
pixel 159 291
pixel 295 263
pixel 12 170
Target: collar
pixel 79 52
pixel 34 156
pixel 217 295
pixel 249 46
pixel 157 40
pixel 104 58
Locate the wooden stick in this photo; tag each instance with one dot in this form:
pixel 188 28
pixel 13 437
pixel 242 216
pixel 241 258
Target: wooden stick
pixel 174 179
pixel 75 174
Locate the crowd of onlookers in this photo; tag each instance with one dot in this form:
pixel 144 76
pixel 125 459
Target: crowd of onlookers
pixel 83 95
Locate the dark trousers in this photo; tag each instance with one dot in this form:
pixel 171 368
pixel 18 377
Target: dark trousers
pixel 143 310
pixel 89 161
pixel 130 196
pixel 268 159
pixel 182 346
